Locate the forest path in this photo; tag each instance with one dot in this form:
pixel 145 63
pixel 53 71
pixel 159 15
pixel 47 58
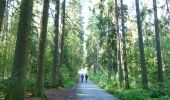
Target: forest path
pixel 82 91
pixel 90 91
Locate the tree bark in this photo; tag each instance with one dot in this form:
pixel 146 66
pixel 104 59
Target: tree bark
pixel 17 91
pixel 63 34
pixel 124 48
pixel 42 42
pixel 158 47
pixel 56 45
pixel 2 11
pixel 141 47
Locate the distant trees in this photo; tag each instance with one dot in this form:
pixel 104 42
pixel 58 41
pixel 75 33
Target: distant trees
pixel 92 45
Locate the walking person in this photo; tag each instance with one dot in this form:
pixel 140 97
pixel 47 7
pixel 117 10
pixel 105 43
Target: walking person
pixel 86 77
pixel 82 77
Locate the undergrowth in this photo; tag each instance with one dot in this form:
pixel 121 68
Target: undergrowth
pixel 134 93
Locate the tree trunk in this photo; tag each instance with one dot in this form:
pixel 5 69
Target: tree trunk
pixel 95 57
pixel 2 11
pixel 42 42
pixel 97 53
pixel 109 49
pixel 60 77
pixel 141 47
pixel 159 58
pixel 18 75
pixel 115 48
pixel 167 6
pixel 63 34
pixel 56 44
pixel 120 70
pixel 124 48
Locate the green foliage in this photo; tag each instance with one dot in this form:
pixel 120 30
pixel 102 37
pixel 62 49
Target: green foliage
pixel 4 86
pixel 135 93
pixel 167 88
pixel 99 78
pixel 70 81
pixel 132 94
pixel 30 85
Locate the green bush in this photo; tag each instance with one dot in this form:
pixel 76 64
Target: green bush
pixel 48 84
pixel 4 87
pixel 161 98
pixel 135 94
pixel 30 86
pixel 111 86
pixel 70 83
pixel 152 93
pixel 167 88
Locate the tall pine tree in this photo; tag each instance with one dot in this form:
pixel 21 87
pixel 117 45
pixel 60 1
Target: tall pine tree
pixel 42 42
pixel 18 75
pixel 141 47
